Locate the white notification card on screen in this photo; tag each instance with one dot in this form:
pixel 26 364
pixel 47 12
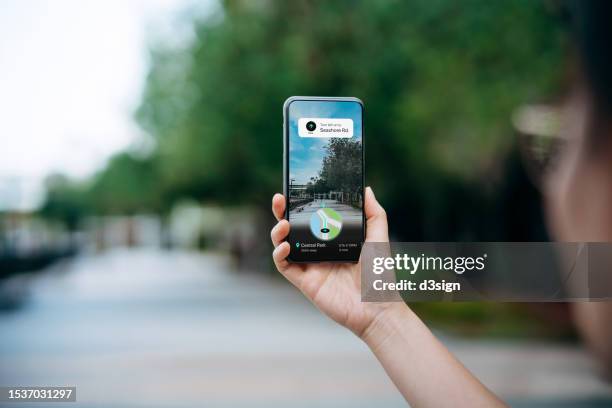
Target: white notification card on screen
pixel 325 127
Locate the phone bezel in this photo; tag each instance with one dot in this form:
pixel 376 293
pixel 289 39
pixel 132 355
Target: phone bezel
pixel 286 162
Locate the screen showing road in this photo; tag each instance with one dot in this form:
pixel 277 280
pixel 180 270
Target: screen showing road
pixel 325 180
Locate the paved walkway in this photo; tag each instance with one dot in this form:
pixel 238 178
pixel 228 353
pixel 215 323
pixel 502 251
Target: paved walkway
pixel 149 329
pixel 303 213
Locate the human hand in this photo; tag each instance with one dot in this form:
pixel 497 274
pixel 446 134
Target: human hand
pixel 333 287
pixel 418 364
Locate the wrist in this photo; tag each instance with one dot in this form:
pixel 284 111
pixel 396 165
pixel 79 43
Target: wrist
pixel 385 324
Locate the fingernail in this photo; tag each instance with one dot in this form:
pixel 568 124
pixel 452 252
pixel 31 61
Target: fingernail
pixel 371 191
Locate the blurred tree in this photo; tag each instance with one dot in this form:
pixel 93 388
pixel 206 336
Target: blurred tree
pixel 439 79
pixel 341 170
pixel 65 201
pixel 127 185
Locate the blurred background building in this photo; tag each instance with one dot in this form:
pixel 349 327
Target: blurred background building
pixel 140 147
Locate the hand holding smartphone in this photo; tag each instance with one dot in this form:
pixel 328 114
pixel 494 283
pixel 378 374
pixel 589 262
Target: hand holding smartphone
pixel 323 210
pixel 324 178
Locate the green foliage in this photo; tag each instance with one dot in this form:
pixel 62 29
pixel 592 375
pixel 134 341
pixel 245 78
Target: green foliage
pixel 439 79
pixel 498 320
pixel 65 201
pixel 127 185
pixel 341 170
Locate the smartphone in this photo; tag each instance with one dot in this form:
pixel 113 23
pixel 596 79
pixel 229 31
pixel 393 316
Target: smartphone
pixel 323 178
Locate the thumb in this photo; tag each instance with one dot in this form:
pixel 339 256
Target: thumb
pixel 376 219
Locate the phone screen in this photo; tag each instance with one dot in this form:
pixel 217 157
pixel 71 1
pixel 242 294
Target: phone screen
pixel 324 179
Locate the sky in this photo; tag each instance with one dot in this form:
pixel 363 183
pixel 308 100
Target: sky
pixel 306 153
pixel 71 75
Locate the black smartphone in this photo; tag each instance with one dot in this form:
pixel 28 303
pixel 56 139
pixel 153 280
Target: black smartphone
pixel 323 178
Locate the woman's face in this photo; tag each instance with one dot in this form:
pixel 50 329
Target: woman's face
pixel 578 191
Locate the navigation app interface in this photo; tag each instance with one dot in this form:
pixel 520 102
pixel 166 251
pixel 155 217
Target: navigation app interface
pixel 325 186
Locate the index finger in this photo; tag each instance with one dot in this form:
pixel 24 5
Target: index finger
pixel 278 206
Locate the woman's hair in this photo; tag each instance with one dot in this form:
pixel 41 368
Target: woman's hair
pixel 592 23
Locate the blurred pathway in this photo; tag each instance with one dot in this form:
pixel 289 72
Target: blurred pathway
pixel 148 328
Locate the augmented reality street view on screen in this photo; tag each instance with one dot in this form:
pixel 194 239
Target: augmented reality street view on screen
pixel 325 175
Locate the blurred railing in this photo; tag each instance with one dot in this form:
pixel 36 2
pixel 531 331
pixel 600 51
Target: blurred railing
pixel 29 242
